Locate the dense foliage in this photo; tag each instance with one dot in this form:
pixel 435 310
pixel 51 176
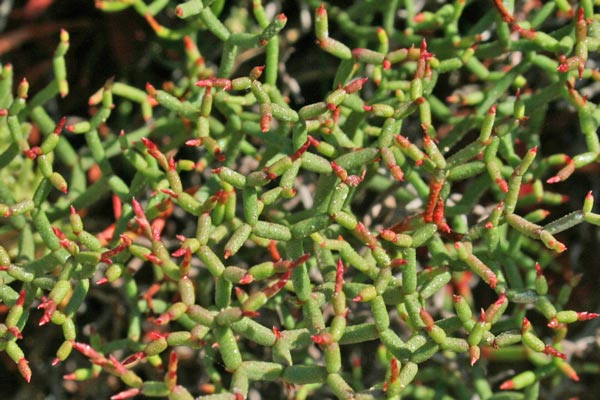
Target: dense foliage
pixel 298 199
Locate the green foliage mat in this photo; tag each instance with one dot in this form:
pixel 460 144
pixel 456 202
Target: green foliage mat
pixel 342 200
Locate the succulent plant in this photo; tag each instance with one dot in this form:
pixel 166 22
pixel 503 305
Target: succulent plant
pixel 386 240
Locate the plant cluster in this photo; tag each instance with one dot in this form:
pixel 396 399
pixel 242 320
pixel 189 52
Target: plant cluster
pixel 387 240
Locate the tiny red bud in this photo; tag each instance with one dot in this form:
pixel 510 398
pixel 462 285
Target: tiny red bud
pixel 118 366
pixel 265 122
pixel 49 306
pixel 134 357
pixel 301 150
pixel 474 353
pixel 155 335
pixel 24 370
pixel 155 233
pixel 549 350
pixel 153 258
pixel 21 299
pixel 423 47
pixel 394 369
pixel 321 11
pixel 137 208
pixel 59 127
pixel 301 260
pixel 15 332
pixel 388 234
pixel 554 179
pixel 251 314
pixel 553 323
pixel 339 276
pixel 239 396
pixel 398 262
pixel 427 319
pixel 33 152
pixel 323 339
pixel 194 142
pixel 507 385
pixel 501 299
pixel 580 15
pixel 151 90
pixel 256 72
pixel 564 67
pixel 586 316
pixel 86 350
pixel 152 147
pixel 179 252
pixel 172 370
pixel 126 394
pixel 502 185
